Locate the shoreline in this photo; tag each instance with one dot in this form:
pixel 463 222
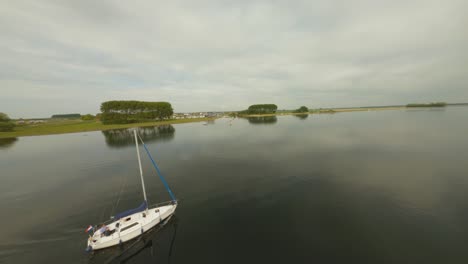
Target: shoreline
pixel 348 110
pixel 342 110
pixel 79 126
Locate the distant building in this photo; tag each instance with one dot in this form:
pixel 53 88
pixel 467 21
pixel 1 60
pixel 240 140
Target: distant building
pixel 36 121
pixel 195 115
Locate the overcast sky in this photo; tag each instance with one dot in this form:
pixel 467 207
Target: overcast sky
pixel 69 56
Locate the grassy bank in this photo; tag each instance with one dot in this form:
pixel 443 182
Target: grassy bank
pixel 436 104
pixel 75 126
pixel 339 110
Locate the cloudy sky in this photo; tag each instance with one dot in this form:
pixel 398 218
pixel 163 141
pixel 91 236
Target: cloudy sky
pixel 69 56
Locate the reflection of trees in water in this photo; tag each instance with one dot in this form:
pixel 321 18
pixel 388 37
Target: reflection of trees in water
pixel 154 240
pixel 262 119
pixel 7 142
pixel 302 116
pixel 124 137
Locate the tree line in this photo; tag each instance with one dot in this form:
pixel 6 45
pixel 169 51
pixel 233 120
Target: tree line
pixel 269 109
pixel 67 116
pixel 122 112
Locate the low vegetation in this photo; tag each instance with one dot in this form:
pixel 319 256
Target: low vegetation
pixel 88 117
pixel 323 111
pixel 435 104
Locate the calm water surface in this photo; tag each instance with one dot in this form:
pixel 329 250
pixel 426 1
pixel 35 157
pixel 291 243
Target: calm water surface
pixel 367 187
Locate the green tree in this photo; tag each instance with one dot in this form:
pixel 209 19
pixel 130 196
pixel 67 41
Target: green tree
pixel 302 109
pixel 5 123
pixel 87 117
pixel 261 109
pixel 4 117
pixel 122 112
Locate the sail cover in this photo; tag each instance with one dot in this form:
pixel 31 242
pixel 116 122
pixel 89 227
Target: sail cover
pixel 140 208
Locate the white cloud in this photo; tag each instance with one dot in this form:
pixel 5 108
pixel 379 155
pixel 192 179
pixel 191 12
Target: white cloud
pixel 218 55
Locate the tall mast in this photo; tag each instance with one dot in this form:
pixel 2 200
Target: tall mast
pixel 139 163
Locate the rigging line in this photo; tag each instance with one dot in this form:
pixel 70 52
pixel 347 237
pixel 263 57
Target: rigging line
pixel 122 187
pixel 113 206
pixel 158 171
pixel 104 208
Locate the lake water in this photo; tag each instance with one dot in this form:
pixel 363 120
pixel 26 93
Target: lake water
pixel 363 187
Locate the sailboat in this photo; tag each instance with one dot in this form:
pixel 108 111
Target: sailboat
pixel 135 222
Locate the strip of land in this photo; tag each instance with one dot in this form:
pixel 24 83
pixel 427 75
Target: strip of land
pixel 338 110
pixel 75 126
pixel 329 111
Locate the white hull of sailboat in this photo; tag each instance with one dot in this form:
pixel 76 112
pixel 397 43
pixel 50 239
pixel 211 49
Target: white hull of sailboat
pixel 133 223
pixel 130 227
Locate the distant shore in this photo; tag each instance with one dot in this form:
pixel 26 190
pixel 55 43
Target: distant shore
pixel 339 110
pixel 77 126
pixel 330 111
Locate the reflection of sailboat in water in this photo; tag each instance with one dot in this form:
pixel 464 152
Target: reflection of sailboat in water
pixel 132 223
pixel 151 245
